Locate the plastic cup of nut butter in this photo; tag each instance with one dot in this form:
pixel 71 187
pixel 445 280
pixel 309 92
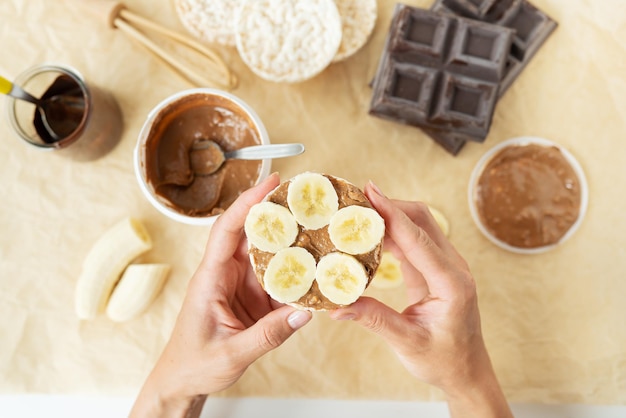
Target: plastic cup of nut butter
pixel 82 121
pixel 528 195
pixel 171 145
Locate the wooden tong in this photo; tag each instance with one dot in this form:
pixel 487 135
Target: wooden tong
pixel 214 74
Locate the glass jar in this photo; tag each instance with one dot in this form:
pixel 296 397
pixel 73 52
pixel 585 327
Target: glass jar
pixel 87 118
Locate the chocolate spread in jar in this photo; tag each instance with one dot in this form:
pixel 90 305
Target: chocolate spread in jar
pixel 170 151
pixel 65 109
pixel 528 196
pixel 318 242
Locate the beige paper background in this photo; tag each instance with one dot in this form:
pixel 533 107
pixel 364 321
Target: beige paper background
pixel 554 323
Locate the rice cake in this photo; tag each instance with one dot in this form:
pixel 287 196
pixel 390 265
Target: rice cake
pixel 211 21
pixel 358 18
pixel 288 40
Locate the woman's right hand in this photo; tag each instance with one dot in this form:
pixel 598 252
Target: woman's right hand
pixel 438 336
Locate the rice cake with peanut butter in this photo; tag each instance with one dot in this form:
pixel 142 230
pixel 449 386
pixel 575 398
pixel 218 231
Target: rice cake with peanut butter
pixel 336 225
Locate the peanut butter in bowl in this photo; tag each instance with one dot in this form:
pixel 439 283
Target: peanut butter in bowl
pixel 527 195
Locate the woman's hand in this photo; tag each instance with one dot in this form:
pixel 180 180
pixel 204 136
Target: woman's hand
pixel 438 336
pixel 226 322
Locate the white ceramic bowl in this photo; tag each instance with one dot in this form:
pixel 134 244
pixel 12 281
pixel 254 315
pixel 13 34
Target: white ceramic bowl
pixel 526 140
pixel 139 155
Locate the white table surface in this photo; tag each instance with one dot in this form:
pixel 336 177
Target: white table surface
pixel 54 406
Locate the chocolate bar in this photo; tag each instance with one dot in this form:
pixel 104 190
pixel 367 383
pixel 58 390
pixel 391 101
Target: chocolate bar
pixel 441 73
pixel 450 141
pixel 532 27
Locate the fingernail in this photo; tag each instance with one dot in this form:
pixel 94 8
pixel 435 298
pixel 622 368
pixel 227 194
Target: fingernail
pixel 376 189
pixel 270 177
pixel 297 319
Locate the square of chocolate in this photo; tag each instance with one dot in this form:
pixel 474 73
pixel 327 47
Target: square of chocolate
pixel 491 11
pixel 478 7
pixel 479 51
pixel 441 72
pixel 448 140
pixel 465 101
pixel 532 27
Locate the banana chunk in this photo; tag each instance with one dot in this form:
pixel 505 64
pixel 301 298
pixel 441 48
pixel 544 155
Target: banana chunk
pixel 270 227
pixel 341 278
pixel 441 220
pixel 289 274
pixel 356 229
pixel 139 286
pixel 312 199
pixel 389 274
pixel 105 262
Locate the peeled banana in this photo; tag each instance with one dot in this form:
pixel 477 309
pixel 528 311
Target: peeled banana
pixel 341 278
pixel 356 229
pixel 389 274
pixel 289 274
pixel 139 286
pixel 270 227
pixel 312 199
pixel 105 262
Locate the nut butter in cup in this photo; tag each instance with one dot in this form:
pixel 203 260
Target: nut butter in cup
pixel 528 195
pixel 85 120
pixel 170 147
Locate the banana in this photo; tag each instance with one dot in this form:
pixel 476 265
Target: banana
pixel 312 199
pixel 356 229
pixel 289 274
pixel 139 286
pixel 105 262
pixel 441 220
pixel 388 275
pixel 270 227
pixel 341 278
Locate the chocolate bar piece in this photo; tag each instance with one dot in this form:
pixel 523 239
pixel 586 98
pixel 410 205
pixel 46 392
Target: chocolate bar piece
pixel 532 27
pixel 449 140
pixel 441 73
pixel 452 141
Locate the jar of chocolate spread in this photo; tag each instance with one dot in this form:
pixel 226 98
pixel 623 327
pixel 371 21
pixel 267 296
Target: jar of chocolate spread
pixel 78 119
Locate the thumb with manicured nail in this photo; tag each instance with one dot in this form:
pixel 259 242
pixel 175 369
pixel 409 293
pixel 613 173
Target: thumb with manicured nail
pixel 271 331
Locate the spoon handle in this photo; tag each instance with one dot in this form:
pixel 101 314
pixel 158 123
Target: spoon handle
pixel 13 90
pixel 5 85
pixel 261 152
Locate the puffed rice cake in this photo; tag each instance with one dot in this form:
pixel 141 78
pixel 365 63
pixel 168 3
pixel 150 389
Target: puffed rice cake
pixel 288 40
pixel 211 21
pixel 358 18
